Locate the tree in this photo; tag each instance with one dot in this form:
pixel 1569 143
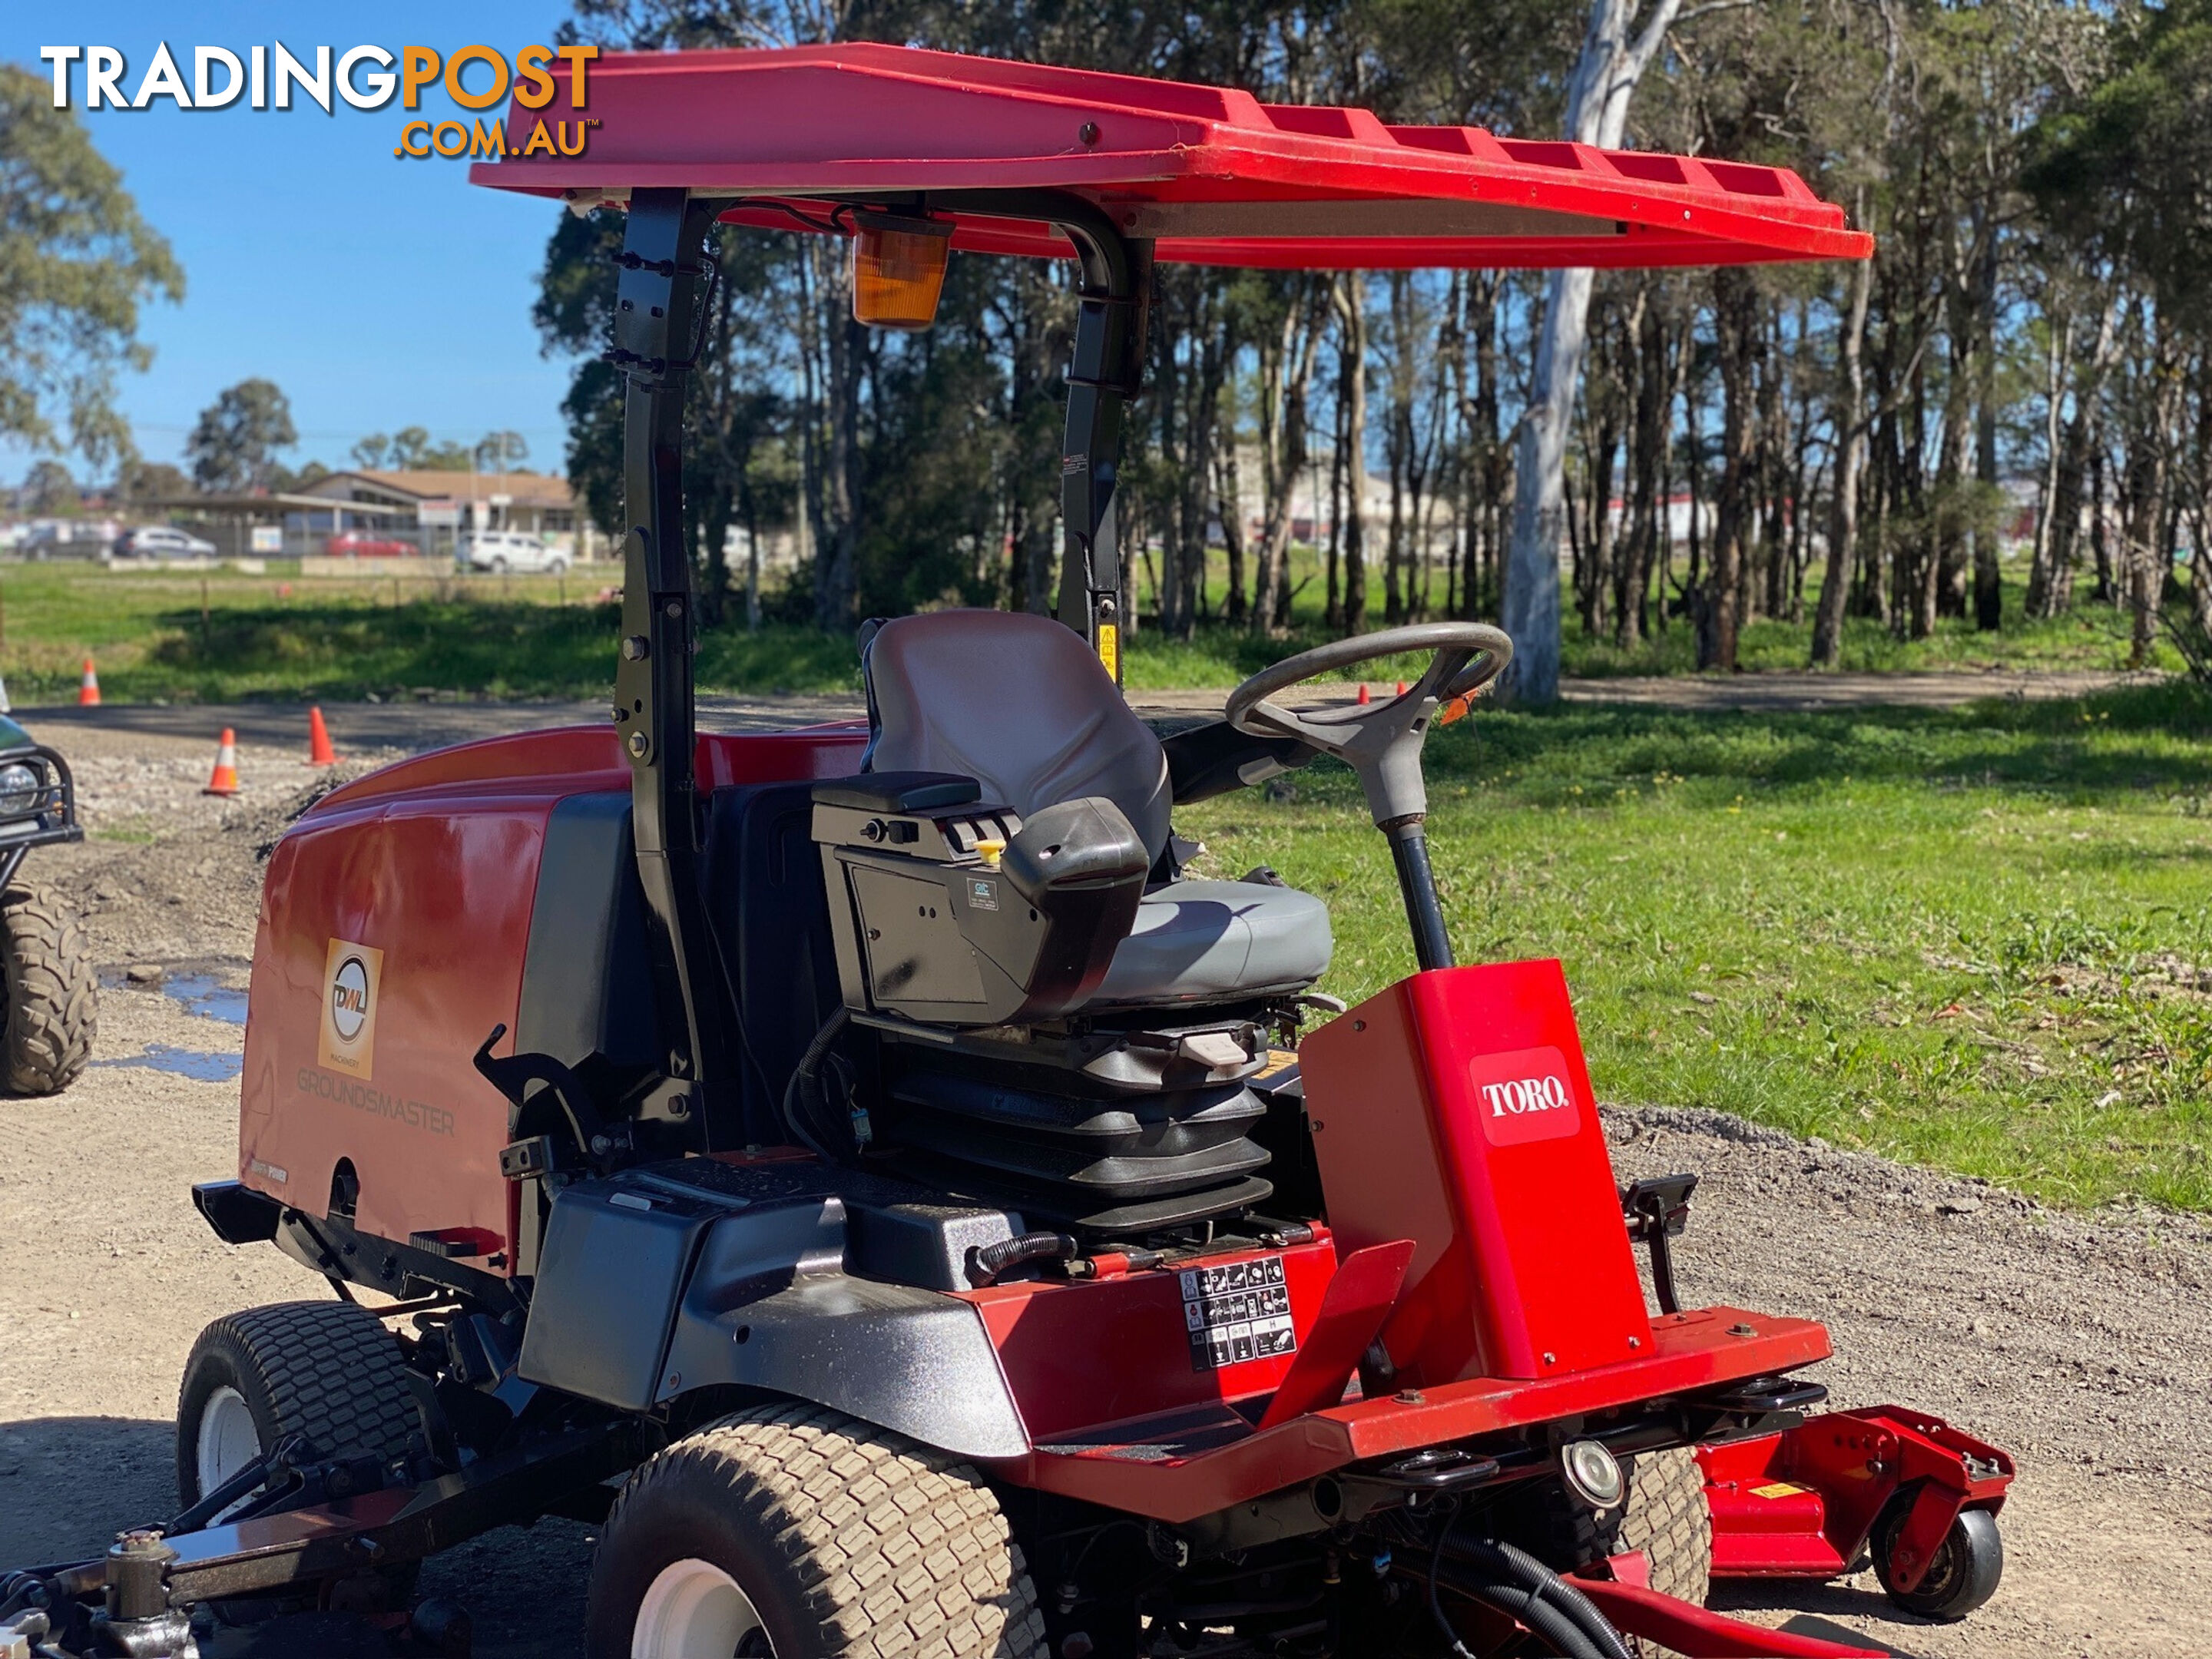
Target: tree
pixel 234 446
pixel 48 491
pixel 369 453
pixel 501 452
pixel 142 482
pixel 78 263
pixel 1605 77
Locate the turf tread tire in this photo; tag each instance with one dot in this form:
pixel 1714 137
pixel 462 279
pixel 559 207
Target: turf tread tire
pixel 885 1547
pixel 1667 1519
pixel 52 995
pixel 327 1370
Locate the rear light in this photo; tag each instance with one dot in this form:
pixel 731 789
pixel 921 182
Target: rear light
pixel 898 268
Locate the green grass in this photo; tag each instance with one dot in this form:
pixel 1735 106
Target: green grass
pixel 1978 940
pixel 335 639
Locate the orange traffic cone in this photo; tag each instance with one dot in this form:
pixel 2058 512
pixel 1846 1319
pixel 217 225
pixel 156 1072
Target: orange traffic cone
pixel 87 689
pixel 320 752
pixel 1402 688
pixel 1364 698
pixel 225 781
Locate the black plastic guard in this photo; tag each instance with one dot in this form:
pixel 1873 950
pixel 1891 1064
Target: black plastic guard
pixel 238 1214
pixel 651 1287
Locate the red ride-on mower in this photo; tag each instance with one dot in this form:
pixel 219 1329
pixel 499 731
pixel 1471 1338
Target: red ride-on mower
pixel 860 1172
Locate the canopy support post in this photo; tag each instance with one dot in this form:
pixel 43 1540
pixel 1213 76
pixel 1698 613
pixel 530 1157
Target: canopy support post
pixel 1107 367
pixel 657 315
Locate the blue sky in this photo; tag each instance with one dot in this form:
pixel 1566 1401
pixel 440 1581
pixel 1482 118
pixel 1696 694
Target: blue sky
pixel 378 293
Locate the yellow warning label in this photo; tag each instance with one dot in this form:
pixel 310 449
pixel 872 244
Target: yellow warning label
pixel 1110 650
pixel 1278 1060
pixel 1778 1489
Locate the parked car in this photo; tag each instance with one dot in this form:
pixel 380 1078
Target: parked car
pixel 161 541
pixel 509 550
pixel 367 545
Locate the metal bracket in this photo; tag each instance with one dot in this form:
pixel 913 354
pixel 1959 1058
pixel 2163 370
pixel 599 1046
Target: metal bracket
pixel 658 303
pixel 1656 1210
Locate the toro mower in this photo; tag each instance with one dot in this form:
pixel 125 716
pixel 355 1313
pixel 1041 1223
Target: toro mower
pixel 861 1172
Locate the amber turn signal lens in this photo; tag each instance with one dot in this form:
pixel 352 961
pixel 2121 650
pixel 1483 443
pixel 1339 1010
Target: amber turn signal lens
pixel 898 270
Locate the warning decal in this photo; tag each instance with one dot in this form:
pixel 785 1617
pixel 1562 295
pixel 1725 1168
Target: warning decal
pixel 1237 1311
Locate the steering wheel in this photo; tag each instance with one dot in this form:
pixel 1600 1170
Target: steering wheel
pixel 1380 742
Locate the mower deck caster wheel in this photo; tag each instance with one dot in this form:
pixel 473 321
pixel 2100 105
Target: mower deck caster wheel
pixel 1964 1573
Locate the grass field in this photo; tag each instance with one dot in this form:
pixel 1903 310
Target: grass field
pixel 176 637
pixel 1980 940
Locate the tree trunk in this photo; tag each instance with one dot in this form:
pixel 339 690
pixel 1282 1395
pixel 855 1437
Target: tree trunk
pixel 1850 457
pixel 1350 298
pixel 1735 316
pixel 1605 78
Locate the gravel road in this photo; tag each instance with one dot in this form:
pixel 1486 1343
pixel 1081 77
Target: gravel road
pixel 2083 1343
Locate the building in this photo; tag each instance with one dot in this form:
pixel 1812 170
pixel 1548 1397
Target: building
pixel 433 509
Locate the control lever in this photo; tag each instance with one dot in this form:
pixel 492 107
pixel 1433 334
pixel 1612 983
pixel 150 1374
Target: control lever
pixel 1656 1210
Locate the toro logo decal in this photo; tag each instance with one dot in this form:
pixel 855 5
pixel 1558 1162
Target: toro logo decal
pixel 1524 1096
pixel 351 974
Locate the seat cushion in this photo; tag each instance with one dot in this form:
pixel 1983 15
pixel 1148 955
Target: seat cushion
pixel 1204 941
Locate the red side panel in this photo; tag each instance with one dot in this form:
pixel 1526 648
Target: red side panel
pixel 436 895
pixel 1456 1107
pixel 1081 1355
pixel 394 922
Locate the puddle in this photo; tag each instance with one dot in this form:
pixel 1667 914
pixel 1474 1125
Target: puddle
pixel 201 994
pixel 195 1063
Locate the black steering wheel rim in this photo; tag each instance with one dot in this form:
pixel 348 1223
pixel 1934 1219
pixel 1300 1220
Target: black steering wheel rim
pixel 1494 647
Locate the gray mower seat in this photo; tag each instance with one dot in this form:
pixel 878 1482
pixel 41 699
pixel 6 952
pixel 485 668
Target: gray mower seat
pixel 1203 941
pixel 1020 703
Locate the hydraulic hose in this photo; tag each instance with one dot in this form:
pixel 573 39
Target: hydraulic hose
pixel 1550 1623
pixel 804 1071
pixel 1512 1568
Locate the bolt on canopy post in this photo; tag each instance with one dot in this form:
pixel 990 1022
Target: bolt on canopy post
pixel 1103 376
pixel 658 321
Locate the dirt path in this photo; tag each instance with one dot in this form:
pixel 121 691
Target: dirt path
pixel 2079 1343
pixel 358 728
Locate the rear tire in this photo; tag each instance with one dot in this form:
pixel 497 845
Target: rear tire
pixel 326 1370
pixel 52 998
pixel 785 1531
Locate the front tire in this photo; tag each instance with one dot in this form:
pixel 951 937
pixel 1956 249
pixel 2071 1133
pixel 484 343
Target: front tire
pixel 52 997
pixel 785 1531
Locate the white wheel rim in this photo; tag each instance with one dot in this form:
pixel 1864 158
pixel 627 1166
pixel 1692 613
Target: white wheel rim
pixel 228 1440
pixel 694 1610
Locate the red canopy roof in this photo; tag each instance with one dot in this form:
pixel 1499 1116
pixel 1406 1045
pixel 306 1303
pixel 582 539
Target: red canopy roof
pixel 1214 176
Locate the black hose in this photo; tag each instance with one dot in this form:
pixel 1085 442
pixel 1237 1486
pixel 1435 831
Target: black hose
pixel 1508 1566
pixel 986 1261
pixel 807 1063
pixel 1551 1623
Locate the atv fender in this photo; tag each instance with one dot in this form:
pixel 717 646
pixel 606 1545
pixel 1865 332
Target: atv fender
pixel 648 1290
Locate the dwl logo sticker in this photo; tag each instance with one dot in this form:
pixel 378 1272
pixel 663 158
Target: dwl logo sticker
pixel 350 983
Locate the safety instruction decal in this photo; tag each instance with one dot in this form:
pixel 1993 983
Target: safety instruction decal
pixel 1237 1311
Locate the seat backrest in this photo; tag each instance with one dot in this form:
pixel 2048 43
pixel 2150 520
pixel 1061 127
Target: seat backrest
pixel 1018 702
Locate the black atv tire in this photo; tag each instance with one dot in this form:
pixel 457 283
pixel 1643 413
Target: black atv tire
pixel 52 998
pixel 842 1541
